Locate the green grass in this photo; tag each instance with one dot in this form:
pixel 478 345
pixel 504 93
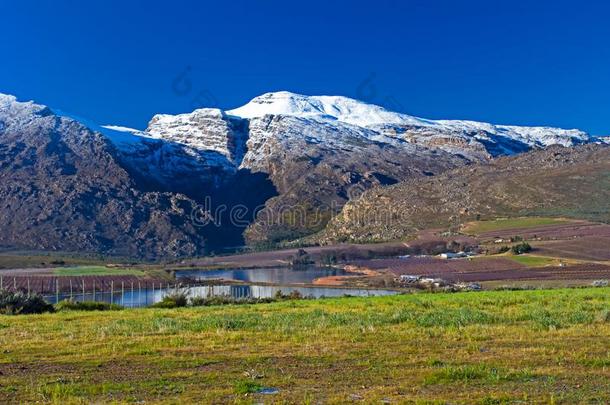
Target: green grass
pixel 96 271
pixel 67 305
pixel 535 261
pixel 479 227
pixel 14 260
pixel 247 387
pixel 547 346
pixel 450 374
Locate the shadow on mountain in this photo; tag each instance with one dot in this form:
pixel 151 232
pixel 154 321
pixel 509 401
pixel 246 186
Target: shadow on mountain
pixel 236 203
pixel 227 200
pixel 499 145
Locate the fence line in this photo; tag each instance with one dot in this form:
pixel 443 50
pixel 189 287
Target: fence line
pixel 55 289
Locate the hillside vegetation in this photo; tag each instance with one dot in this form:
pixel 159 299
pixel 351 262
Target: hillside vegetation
pixel 557 182
pixel 490 347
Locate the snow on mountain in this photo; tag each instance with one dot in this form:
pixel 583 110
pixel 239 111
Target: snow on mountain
pixel 204 129
pixel 604 140
pixel 64 188
pixel 209 140
pixel 16 112
pixel 6 99
pixel 338 108
pixel 354 112
pixel 286 150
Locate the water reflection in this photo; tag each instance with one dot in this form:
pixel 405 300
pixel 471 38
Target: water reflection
pixel 274 275
pixel 280 276
pixel 145 297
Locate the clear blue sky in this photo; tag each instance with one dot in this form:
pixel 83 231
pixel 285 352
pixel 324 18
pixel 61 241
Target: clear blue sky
pixel 534 62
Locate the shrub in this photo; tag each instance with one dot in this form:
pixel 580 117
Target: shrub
pixel 71 305
pixel 20 303
pixel 503 249
pixel 328 259
pixel 199 302
pixel 247 387
pixel 521 248
pixel 300 259
pixel 229 300
pixel 294 295
pixel 174 299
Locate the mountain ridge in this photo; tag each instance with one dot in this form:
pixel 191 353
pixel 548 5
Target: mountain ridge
pixel 558 181
pixel 62 189
pixel 358 113
pixel 284 155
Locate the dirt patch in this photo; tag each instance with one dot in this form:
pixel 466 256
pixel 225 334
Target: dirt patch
pixel 358 272
pixel 576 229
pixel 595 248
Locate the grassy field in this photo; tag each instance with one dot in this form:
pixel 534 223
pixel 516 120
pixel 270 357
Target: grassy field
pixel 96 271
pixel 535 261
pixel 488 348
pixel 478 227
pixel 10 261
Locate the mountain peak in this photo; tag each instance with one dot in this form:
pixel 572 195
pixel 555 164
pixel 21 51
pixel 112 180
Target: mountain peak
pixel 336 108
pixel 6 99
pixel 279 103
pixel 13 109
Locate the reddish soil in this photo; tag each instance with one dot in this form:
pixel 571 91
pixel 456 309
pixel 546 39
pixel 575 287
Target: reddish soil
pixel 577 240
pixel 281 257
pixel 574 229
pixel 485 269
pixel 426 241
pixel 340 280
pixel 595 248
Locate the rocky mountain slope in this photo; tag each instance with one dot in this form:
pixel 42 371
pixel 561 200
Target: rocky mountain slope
pixel 310 154
pixel 275 169
pixel 62 189
pixel 558 181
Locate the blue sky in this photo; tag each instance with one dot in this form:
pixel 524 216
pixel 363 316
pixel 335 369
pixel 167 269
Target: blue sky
pixel 119 62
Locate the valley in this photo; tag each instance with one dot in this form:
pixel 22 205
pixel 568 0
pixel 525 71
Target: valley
pixel 551 263
pixel 277 172
pixel 296 228
pixel 330 202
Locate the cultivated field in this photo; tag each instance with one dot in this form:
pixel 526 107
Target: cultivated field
pixel 486 348
pixel 483 227
pixel 580 240
pixel 488 269
pixel 596 248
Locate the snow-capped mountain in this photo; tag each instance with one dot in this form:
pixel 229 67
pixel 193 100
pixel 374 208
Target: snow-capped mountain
pixel 333 108
pixel 294 154
pixel 225 131
pixel 183 151
pixel 349 111
pixel 226 141
pixel 63 188
pixel 316 150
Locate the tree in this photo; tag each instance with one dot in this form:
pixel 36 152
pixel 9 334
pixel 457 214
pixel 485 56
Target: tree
pixel 521 248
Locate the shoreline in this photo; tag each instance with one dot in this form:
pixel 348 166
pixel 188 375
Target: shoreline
pixel 339 280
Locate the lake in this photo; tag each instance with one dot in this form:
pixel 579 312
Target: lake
pixel 284 279
pixel 273 275
pixel 145 297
